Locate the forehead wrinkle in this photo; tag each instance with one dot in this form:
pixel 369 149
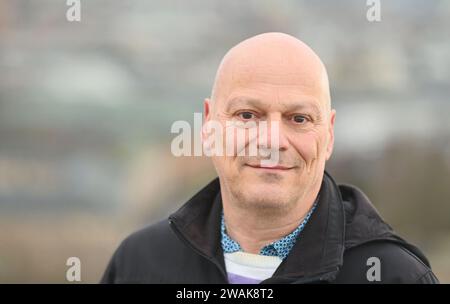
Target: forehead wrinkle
pixel 244 101
pixel 284 105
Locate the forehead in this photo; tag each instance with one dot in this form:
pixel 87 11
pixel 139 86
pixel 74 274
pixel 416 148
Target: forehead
pixel 271 83
pixel 295 102
pixel 295 74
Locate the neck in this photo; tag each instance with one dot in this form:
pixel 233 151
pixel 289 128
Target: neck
pixel 255 228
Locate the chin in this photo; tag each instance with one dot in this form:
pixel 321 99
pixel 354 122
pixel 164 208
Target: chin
pixel 264 195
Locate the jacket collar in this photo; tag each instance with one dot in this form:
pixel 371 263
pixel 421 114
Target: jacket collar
pixel 316 256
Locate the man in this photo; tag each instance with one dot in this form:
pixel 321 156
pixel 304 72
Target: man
pixel 282 223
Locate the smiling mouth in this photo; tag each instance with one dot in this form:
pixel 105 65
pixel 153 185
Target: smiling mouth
pixel 274 168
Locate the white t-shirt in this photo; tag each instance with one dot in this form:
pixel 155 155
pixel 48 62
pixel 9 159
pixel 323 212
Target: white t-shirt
pixel 248 268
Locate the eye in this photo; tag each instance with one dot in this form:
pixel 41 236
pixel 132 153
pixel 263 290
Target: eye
pixel 300 119
pixel 246 115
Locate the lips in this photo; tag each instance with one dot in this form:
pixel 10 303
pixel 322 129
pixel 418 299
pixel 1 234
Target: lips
pixel 278 167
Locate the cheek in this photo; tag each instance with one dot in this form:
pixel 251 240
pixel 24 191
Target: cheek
pixel 226 165
pixel 309 146
pixel 237 140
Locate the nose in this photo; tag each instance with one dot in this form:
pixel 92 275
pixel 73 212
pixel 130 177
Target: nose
pixel 273 135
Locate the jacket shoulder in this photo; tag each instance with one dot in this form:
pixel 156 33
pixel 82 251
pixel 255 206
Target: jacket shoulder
pixel 148 237
pixel 385 262
pixel 141 253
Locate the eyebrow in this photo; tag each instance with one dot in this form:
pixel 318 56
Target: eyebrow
pixel 256 103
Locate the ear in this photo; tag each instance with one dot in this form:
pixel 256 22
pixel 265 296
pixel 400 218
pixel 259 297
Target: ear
pixel 206 115
pixel 206 108
pixel 330 144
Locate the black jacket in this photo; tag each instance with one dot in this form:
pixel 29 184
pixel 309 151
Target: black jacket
pixel 344 231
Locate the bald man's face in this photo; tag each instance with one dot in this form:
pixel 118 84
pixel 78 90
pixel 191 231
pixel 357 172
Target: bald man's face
pixel 280 86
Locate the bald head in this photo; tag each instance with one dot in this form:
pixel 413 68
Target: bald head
pixel 272 59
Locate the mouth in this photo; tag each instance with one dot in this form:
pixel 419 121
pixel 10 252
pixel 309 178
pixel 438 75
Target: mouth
pixel 269 168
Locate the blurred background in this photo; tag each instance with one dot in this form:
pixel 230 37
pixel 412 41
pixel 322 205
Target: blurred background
pixel 86 109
